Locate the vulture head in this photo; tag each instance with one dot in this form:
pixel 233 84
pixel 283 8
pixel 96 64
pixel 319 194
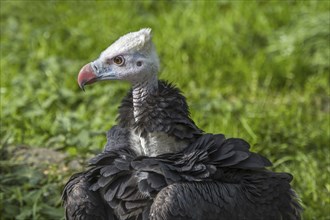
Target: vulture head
pixel 132 58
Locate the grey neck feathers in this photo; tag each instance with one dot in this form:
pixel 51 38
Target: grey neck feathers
pixel 140 93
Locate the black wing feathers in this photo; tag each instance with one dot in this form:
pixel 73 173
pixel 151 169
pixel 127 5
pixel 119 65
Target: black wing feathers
pixel 218 200
pixel 82 203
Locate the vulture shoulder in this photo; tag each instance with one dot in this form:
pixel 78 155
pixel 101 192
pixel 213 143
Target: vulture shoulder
pixel 117 138
pixel 79 200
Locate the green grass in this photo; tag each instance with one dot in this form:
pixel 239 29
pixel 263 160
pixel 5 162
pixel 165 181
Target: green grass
pixel 251 69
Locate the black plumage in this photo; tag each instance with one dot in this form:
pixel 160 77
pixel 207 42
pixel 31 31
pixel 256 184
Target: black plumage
pixel 211 178
pixel 164 111
pixel 82 203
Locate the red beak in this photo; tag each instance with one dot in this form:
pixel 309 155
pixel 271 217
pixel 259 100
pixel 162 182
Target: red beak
pixel 86 76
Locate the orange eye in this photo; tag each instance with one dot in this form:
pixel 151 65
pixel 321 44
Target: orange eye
pixel 119 60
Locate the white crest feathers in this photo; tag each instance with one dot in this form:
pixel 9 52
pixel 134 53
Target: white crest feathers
pixel 133 41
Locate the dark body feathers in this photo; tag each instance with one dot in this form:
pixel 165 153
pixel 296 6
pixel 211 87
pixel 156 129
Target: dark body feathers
pixel 166 111
pixel 212 178
pixel 82 203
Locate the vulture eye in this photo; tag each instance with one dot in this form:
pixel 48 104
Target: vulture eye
pixel 119 60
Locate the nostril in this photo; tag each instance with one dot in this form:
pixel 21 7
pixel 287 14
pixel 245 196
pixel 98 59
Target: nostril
pixel 139 63
pixel 95 68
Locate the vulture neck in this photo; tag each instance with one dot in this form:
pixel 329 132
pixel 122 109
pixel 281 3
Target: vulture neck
pixel 157 118
pixel 150 143
pixel 141 91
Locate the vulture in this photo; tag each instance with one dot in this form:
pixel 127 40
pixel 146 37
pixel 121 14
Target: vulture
pixel 158 165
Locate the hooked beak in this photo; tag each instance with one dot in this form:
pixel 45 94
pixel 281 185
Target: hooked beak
pixel 86 76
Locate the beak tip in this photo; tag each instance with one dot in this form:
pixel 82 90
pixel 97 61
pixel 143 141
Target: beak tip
pixel 82 87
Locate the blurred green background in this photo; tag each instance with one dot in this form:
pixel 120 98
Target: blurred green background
pixel 258 70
